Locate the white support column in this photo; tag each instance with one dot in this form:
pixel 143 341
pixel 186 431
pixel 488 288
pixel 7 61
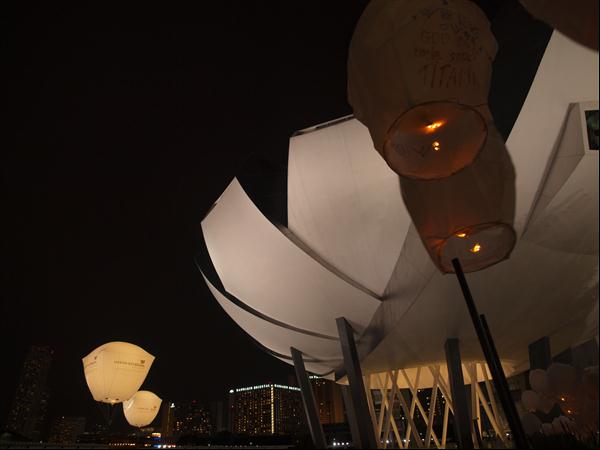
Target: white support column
pixel 409 413
pixel 490 392
pixel 384 392
pixel 432 402
pixel 414 390
pixel 445 426
pixel 369 394
pixel 493 418
pixel 389 417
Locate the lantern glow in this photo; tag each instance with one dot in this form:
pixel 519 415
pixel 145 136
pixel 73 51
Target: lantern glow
pixel 436 146
pixel 461 235
pixel 476 248
pixel 433 126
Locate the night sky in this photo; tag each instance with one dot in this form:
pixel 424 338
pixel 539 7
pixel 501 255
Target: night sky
pixel 127 122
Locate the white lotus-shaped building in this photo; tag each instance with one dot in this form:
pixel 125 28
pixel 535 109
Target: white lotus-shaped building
pixel 346 246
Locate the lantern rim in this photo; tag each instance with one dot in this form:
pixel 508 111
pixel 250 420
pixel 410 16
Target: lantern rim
pixel 470 230
pixel 485 119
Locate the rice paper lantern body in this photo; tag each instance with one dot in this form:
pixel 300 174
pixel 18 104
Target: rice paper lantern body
pixel 141 409
pixel 115 371
pixel 575 19
pixel 418 77
pixel 469 215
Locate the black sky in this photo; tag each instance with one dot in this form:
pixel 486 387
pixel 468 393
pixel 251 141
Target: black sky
pixel 128 121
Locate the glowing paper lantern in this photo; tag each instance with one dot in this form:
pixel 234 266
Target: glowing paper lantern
pixel 575 19
pixel 115 371
pixel 418 77
pixel 141 409
pixel 468 215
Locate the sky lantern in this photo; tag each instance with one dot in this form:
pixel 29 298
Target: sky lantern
pixel 418 77
pixel 141 409
pixel 115 371
pixel 576 19
pixel 468 215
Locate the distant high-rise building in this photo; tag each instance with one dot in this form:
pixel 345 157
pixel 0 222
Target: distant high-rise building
pixel 167 419
pixel 192 419
pixel 65 430
pixel 268 409
pixel 330 404
pixel 217 417
pixel 27 414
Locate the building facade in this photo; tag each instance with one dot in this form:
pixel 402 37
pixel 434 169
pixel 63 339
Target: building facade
pixel 330 404
pixel 268 409
pixel 27 414
pixel 66 430
pixel 192 419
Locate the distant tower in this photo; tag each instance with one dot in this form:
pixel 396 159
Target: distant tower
pixel 29 408
pixel 328 396
pixel 268 409
pixel 168 419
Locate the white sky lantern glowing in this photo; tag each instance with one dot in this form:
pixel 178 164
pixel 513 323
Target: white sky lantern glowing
pixel 418 77
pixel 468 215
pixel 141 409
pixel 115 371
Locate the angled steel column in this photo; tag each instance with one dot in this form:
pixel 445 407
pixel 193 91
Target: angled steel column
pixel 357 387
pixel 493 360
pixel 540 356
pixel 308 398
pixel 351 417
pixel 462 418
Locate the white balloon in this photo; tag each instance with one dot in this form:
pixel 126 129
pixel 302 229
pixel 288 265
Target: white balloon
pixel 141 409
pixel 547 429
pixel 557 426
pixel 531 423
pixel 538 380
pixel 115 371
pixel 562 377
pixel 530 400
pixel 567 423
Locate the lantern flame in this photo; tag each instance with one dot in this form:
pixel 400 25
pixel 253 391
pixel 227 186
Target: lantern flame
pixel 436 146
pixel 476 248
pixel 433 126
pixel 461 235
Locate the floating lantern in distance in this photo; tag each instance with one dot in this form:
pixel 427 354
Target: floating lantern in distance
pixel 419 74
pixel 115 371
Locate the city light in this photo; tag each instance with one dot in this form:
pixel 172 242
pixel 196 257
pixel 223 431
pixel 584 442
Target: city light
pixel 263 386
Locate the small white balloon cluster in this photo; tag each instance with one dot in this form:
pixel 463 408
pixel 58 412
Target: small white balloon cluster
pixel 553 402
